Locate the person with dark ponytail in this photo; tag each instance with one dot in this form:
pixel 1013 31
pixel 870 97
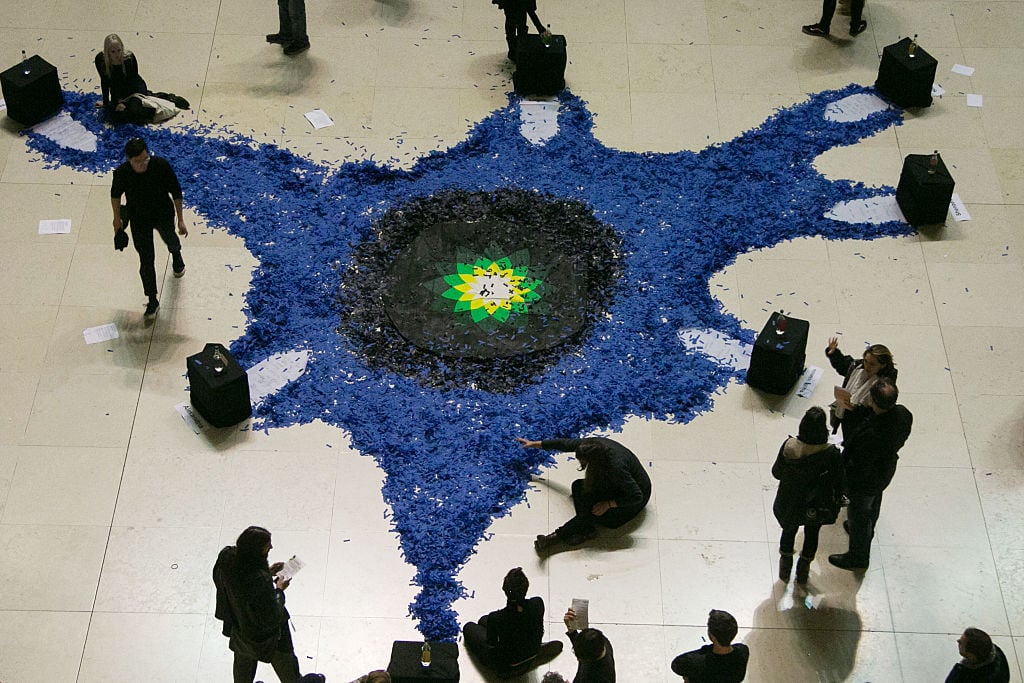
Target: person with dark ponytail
pixel 250 602
pixel 509 640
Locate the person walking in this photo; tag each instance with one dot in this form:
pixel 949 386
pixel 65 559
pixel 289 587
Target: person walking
pixel 983 661
pixel 810 474
pixel 828 8
pixel 250 602
pixel 153 201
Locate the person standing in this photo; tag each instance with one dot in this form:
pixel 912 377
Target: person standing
pixel 810 474
pixel 516 12
pixel 250 602
pixel 719 662
pixel 508 640
pixel 593 652
pixel 291 34
pixel 153 197
pixel 858 376
pixel 870 453
pixel 614 490
pixel 983 661
pixel 828 8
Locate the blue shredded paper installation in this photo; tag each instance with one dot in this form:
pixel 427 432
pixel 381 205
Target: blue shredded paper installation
pixel 448 452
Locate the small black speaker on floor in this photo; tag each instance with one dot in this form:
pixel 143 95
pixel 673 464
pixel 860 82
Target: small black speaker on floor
pixel 218 386
pixel 32 91
pixel 925 189
pixel 905 75
pixel 777 359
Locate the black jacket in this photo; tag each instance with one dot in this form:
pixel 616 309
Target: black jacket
pixel 801 470
pixel 871 450
pixel 626 481
pixel 250 606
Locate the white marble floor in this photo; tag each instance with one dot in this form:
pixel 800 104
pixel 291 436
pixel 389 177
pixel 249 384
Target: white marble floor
pixel 112 512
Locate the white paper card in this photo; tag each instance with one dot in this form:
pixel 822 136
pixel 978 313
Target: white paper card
pixel 582 609
pixel 319 118
pixel 100 333
pixel 956 206
pixel 67 132
pixel 962 70
pixel 721 348
pixel 879 209
pixel 937 90
pixel 291 568
pixel 270 374
pixel 974 100
pixel 538 120
pixel 855 107
pixel 193 419
pixel 808 381
pixel 57 226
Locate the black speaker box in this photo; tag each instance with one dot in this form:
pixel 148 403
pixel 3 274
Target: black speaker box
pixel 777 359
pixel 32 91
pixel 925 189
pixel 905 80
pixel 218 386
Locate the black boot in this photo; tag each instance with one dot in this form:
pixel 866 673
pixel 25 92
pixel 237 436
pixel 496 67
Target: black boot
pixel 544 542
pixel 785 566
pixel 803 569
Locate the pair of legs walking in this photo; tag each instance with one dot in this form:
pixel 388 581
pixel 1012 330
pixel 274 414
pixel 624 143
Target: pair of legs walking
pixel 142 239
pixel 828 10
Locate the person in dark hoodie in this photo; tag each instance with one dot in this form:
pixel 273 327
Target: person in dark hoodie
pixel 250 602
pixel 870 453
pixel 810 474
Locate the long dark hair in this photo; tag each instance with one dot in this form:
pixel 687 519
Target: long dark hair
pixel 250 546
pixel 593 457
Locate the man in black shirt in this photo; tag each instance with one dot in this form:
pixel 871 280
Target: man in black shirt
pixel 153 197
pixel 721 661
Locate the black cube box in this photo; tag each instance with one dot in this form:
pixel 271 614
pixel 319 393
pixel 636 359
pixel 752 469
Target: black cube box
pixel 405 666
pixel 34 96
pixel 540 65
pixel 218 386
pixel 905 80
pixel 925 189
pixel 777 359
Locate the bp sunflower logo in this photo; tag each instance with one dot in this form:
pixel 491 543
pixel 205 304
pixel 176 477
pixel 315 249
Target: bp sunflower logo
pixel 492 288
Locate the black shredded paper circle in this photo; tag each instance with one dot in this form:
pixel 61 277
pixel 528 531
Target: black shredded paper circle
pixel 481 289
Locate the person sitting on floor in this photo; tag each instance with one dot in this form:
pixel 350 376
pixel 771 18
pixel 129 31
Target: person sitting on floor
pixel 509 640
pixel 125 96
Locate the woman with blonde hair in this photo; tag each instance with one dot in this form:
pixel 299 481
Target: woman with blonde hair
pixel 851 405
pixel 124 91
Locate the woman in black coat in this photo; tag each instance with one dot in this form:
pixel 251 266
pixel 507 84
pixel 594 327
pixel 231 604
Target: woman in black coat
pixel 810 474
pixel 250 602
